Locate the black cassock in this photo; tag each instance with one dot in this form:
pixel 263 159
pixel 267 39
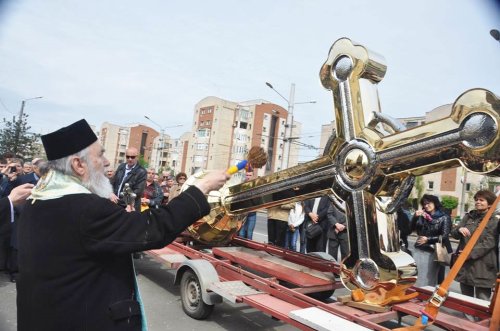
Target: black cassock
pixel 5 231
pixel 74 258
pixel 4 214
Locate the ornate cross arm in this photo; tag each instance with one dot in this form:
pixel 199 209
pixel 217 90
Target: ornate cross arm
pixel 469 137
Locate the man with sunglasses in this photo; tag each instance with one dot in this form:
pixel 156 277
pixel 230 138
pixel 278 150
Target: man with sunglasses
pixel 130 172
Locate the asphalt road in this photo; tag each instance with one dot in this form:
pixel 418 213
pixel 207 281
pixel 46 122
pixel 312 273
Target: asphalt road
pixel 162 301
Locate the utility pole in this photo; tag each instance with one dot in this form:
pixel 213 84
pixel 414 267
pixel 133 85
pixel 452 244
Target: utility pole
pixel 19 122
pixel 285 161
pixel 161 145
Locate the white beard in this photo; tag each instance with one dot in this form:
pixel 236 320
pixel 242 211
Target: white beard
pixel 98 183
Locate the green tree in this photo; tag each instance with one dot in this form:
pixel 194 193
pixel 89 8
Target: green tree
pixel 142 162
pixel 449 202
pixel 418 188
pixel 15 138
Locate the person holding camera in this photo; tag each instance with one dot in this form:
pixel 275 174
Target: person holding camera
pixel 430 223
pixel 10 173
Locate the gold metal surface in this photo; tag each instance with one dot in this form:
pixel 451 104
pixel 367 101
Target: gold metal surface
pixel 370 163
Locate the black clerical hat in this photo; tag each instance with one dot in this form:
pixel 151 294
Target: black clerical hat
pixel 68 140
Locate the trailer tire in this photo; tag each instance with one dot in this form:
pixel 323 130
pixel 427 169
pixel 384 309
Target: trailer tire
pixel 324 295
pixel 191 297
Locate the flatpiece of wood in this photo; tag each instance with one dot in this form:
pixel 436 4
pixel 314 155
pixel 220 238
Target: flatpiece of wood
pixel 368 307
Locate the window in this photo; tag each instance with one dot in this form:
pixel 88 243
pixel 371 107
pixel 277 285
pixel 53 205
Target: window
pixel 243 125
pixel 203 133
pixel 430 185
pixel 467 187
pixel 244 114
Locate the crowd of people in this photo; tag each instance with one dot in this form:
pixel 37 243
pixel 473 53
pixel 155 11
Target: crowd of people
pixel 14 172
pixel 80 224
pixel 288 225
pixel 150 191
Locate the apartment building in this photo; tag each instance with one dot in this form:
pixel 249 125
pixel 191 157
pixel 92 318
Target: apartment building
pixel 224 131
pixel 116 139
pixel 176 153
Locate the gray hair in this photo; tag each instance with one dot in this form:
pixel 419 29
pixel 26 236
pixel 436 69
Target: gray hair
pixel 63 165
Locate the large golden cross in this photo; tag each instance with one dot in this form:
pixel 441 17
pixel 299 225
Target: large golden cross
pixel 370 163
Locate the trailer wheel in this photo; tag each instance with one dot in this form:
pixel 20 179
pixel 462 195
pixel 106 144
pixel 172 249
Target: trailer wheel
pixel 192 302
pixel 324 295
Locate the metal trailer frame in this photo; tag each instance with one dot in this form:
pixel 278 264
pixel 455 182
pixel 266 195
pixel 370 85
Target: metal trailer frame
pixel 284 285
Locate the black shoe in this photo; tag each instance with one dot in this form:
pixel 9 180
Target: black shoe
pixel 13 278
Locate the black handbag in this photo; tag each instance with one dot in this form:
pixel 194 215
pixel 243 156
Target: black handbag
pixel 454 258
pixel 313 230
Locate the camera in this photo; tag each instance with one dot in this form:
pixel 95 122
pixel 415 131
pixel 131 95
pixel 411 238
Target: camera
pixel 13 169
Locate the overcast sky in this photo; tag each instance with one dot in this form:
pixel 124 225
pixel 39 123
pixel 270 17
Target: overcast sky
pixel 118 60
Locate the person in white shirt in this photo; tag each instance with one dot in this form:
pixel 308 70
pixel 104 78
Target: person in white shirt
pixel 295 220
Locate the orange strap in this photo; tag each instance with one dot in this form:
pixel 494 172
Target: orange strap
pixel 429 313
pixel 495 307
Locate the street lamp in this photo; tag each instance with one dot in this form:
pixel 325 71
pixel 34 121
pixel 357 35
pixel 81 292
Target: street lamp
pixel 495 34
pixel 289 120
pixel 22 106
pixel 19 121
pixel 162 135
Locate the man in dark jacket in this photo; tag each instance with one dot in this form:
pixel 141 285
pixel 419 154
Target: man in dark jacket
pixel 16 196
pixel 30 178
pixel 316 211
pixel 132 173
pixel 337 233
pixel 7 204
pixel 75 245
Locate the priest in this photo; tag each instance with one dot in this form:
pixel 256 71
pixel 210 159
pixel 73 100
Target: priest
pixel 75 245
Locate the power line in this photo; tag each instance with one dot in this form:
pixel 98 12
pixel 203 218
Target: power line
pixel 5 107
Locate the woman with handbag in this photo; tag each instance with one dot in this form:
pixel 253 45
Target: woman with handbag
pixel 430 223
pixel 479 272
